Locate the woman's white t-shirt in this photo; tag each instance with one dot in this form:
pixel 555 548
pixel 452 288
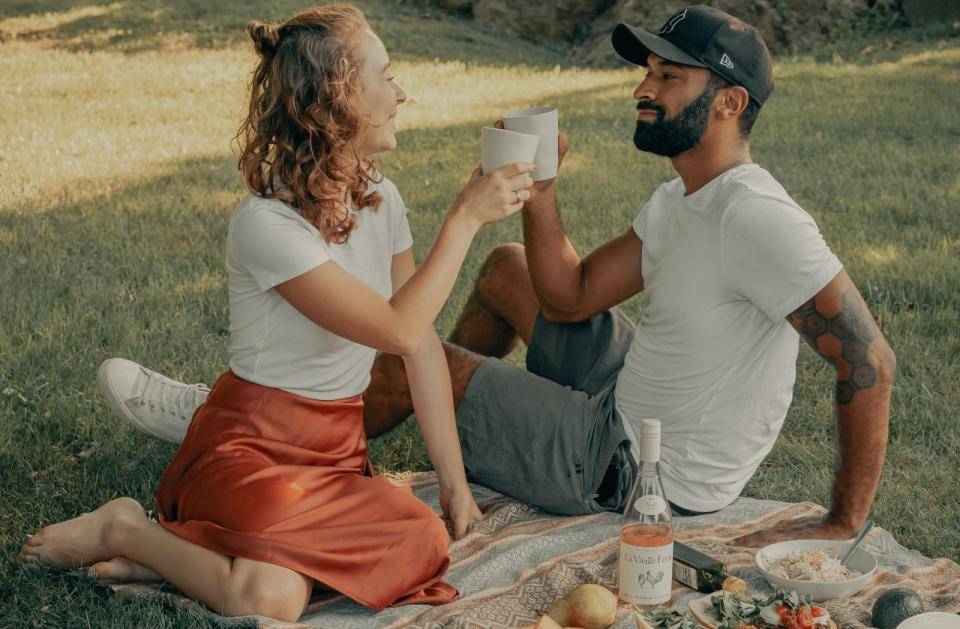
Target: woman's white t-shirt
pixel 271 343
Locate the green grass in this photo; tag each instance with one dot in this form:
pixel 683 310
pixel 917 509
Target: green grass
pixel 117 179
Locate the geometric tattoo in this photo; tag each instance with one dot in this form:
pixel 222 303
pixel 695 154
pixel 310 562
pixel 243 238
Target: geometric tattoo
pixel 855 330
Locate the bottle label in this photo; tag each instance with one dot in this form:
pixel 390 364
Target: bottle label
pixel 646 573
pixel 686 575
pixel 651 504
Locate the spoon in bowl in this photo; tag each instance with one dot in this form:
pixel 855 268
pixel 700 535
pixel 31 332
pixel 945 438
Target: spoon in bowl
pixel 867 526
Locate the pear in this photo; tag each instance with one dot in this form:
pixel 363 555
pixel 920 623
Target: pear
pixel 589 606
pixel 546 622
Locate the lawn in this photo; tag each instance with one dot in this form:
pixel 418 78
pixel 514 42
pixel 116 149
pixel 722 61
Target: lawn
pixel 117 177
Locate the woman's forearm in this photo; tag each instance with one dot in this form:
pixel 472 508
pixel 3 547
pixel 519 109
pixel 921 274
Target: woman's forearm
pixel 429 379
pixel 418 302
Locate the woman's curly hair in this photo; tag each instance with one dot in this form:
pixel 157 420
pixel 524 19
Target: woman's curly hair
pixel 300 139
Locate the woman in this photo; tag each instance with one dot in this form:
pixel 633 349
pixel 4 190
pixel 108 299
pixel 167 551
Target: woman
pixel 271 490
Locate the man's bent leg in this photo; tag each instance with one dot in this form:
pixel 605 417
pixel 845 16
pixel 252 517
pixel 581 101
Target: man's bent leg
pixel 500 312
pixel 502 307
pixel 387 401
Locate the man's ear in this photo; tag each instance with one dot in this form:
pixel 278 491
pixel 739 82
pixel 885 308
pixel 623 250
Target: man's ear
pixel 733 100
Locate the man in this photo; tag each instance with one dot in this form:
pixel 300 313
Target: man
pixel 731 269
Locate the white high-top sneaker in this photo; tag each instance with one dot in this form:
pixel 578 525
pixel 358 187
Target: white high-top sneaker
pixel 149 401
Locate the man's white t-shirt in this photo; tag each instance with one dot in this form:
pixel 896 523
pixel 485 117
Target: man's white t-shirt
pixel 271 343
pixel 713 356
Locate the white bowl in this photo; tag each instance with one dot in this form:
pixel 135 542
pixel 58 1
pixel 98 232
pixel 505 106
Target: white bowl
pixel 861 561
pixel 931 620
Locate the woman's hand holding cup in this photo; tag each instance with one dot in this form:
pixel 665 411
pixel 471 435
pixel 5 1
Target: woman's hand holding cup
pixel 491 197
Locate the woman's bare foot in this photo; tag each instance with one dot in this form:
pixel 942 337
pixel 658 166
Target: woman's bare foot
pixel 121 569
pixel 90 538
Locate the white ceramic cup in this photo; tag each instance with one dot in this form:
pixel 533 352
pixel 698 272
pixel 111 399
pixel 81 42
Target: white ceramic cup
pixel 540 121
pixel 499 147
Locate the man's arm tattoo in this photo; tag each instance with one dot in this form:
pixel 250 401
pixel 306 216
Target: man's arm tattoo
pixel 852 331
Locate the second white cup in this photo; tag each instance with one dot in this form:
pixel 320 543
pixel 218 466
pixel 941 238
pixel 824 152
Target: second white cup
pixel 540 121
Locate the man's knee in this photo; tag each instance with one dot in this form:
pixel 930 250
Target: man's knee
pixel 501 269
pixel 506 258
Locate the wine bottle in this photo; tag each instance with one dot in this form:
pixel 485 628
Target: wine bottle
pixel 646 531
pixel 702 572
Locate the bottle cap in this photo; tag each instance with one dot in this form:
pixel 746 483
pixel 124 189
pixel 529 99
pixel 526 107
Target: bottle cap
pixel 650 440
pixel 733 584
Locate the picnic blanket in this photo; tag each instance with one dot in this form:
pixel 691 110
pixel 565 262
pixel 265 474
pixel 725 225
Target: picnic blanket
pixel 519 560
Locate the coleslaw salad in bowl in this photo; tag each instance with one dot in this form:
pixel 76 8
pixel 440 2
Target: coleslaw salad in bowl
pixel 810 567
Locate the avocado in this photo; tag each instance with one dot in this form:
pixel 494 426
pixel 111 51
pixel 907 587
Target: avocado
pixel 894 606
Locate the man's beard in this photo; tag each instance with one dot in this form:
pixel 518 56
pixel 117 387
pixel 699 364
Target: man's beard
pixel 671 136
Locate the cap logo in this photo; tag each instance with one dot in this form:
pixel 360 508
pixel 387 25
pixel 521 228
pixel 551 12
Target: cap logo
pixel 726 61
pixel 673 21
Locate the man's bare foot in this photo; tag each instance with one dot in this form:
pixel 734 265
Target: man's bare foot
pixel 121 569
pixel 90 538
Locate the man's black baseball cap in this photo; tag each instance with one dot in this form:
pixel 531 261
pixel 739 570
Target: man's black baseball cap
pixel 704 37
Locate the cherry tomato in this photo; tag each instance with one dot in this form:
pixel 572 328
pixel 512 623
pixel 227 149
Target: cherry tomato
pixel 804 617
pixel 788 620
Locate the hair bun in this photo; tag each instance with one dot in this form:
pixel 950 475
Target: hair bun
pixel 265 38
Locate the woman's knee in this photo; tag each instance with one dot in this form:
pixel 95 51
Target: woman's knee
pixel 266 593
pixel 425 529
pixel 433 541
pixel 436 530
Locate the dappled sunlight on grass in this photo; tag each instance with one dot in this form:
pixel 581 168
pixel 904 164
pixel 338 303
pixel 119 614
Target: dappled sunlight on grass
pixel 452 93
pixel 36 25
pixel 954 190
pixel 72 124
pixel 883 254
pixel 75 124
pixel 199 285
pixel 945 59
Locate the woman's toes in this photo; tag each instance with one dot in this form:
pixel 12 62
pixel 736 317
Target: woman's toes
pixel 36 539
pixel 88 538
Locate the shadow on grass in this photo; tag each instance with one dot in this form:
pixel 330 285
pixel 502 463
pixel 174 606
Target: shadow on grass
pixel 410 33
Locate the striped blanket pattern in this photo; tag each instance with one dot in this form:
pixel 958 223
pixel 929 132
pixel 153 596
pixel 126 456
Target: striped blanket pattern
pixel 518 561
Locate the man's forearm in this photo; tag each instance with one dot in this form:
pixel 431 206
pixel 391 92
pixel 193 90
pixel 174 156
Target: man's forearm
pixel 556 269
pixel 862 430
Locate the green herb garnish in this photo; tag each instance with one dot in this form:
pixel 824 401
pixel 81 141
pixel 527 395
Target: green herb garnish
pixel 790 599
pixel 663 618
pixel 736 611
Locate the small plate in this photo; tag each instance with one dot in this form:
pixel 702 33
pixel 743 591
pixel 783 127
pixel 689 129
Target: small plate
pixel 931 620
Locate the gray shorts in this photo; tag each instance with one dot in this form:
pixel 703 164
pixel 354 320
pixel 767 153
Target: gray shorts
pixel 550 435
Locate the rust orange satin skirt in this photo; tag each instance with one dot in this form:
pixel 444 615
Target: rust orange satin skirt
pixel 275 477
